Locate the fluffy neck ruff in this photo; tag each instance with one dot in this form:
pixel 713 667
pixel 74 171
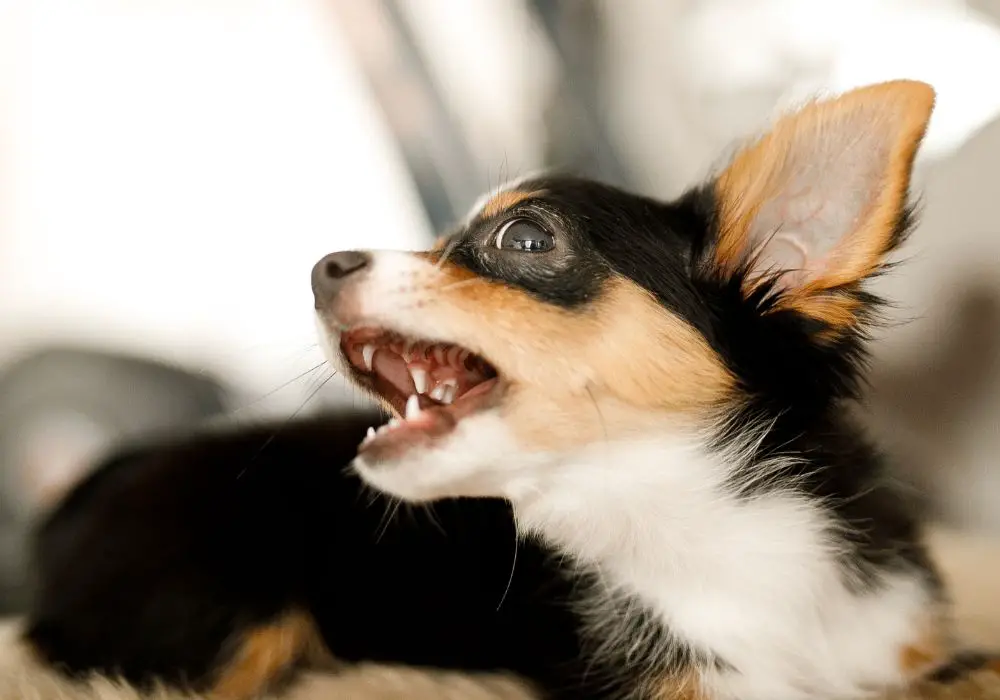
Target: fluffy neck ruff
pixel 746 589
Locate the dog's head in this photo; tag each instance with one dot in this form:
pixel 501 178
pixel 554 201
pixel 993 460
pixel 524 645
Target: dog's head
pixel 565 316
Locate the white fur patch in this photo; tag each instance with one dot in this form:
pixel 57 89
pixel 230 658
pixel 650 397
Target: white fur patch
pixel 753 580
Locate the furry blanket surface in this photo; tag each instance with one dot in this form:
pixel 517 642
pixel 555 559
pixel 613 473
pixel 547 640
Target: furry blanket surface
pixel 970 564
pixel 22 678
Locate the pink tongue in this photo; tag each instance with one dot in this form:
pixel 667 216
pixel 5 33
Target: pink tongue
pixel 393 367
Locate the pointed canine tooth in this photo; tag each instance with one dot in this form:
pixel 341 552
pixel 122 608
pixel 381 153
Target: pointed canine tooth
pixel 408 354
pixel 368 353
pixel 419 377
pixel 369 437
pixel 393 422
pixel 412 407
pixel 437 393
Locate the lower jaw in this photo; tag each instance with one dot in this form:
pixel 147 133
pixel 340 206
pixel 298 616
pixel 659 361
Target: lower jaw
pixel 434 422
pixel 396 442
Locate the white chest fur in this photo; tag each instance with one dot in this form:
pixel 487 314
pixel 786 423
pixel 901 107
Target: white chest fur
pixel 751 580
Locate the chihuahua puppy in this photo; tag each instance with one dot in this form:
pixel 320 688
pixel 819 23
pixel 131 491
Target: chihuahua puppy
pixel 631 418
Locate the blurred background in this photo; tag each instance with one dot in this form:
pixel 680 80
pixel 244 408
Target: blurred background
pixel 171 169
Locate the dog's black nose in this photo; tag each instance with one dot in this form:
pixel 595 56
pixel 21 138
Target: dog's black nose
pixel 330 273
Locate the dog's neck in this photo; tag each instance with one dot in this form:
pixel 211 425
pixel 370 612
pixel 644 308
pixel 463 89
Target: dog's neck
pixel 753 582
pixel 626 506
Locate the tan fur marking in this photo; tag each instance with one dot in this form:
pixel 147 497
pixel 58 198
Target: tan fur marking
pixel 502 202
pixel 917 659
pixel 836 311
pixel 681 687
pixel 929 651
pixel 628 357
pixel 266 653
pixel 760 173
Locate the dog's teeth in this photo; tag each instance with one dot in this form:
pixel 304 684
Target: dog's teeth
pixel 419 377
pixel 437 393
pixel 408 354
pixel 450 389
pixel 393 422
pixel 412 407
pixel 368 353
pixel 369 437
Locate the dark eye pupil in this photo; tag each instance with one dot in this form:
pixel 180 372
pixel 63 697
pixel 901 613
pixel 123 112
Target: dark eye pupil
pixel 525 237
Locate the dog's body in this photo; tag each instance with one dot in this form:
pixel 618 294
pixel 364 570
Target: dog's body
pixel 237 554
pixel 658 392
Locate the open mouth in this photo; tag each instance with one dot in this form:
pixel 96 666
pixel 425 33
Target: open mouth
pixel 432 386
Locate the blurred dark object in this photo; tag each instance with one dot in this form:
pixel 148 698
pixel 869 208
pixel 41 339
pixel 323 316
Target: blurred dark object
pixel 60 409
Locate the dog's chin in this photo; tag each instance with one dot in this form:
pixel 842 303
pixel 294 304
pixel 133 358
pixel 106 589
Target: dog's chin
pixel 473 460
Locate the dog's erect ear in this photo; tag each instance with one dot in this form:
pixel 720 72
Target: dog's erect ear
pixel 819 200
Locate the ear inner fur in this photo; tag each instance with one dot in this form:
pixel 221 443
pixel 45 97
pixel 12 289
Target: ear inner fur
pixel 895 116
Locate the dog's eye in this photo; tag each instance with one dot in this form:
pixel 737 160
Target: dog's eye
pixel 524 236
